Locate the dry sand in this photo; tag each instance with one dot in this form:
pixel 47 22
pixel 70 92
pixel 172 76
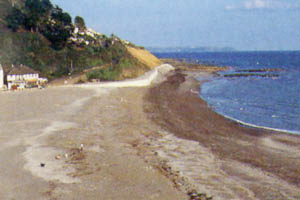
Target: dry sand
pixel 42 132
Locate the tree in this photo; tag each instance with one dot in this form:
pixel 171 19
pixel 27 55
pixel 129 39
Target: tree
pixel 40 16
pixel 59 28
pixel 15 19
pixel 79 23
pixel 37 13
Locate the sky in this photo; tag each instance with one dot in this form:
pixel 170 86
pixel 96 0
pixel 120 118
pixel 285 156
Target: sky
pixel 240 24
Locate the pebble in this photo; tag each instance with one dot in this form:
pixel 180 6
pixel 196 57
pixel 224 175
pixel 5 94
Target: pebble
pixel 194 195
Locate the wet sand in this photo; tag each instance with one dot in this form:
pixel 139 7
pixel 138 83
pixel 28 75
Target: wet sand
pixel 240 163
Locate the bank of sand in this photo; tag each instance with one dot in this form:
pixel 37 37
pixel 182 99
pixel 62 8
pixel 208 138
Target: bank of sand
pixel 131 149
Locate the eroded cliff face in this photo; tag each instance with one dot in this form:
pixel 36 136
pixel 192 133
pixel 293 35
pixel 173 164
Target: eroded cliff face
pixel 143 61
pixel 144 56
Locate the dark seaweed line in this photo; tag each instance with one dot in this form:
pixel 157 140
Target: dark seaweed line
pixel 260 70
pixel 250 75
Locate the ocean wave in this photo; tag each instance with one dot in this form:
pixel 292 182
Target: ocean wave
pixel 261 127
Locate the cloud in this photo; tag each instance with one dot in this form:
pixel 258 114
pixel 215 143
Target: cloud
pixel 255 4
pixel 230 7
pixel 263 4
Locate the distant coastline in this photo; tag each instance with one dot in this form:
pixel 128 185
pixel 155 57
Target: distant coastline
pixel 189 49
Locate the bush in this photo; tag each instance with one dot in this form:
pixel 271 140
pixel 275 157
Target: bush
pixel 124 63
pixel 95 62
pixel 15 19
pixel 107 74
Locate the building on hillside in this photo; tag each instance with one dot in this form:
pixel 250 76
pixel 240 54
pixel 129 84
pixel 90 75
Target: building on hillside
pixel 23 77
pixel 1 77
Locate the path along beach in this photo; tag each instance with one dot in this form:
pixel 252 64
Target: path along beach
pixel 137 141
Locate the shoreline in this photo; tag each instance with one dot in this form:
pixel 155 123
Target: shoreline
pixel 187 116
pixel 193 67
pixel 242 123
pixel 249 125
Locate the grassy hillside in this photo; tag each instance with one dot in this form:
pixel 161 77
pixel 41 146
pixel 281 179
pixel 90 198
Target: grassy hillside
pixel 111 56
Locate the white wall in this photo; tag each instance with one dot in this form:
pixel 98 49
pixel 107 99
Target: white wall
pixel 26 77
pixel 1 77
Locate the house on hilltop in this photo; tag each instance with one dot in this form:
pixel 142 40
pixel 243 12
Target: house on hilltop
pixel 23 77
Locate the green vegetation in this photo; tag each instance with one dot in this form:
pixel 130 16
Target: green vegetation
pixel 42 17
pixel 33 50
pixel 41 36
pixel 79 23
pixel 15 18
pixel 108 74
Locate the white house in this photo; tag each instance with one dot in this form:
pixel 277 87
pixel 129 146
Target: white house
pixel 1 77
pixel 21 77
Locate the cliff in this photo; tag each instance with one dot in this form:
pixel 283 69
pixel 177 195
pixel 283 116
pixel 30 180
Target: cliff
pixel 144 56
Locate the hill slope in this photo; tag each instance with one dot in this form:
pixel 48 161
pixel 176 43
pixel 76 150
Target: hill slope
pixel 115 59
pixel 144 56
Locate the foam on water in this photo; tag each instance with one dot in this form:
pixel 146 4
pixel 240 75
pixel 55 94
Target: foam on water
pixel 262 127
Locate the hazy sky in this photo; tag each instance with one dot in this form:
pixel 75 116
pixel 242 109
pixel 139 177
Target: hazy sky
pixel 242 24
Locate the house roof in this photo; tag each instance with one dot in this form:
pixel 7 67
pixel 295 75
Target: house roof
pixel 21 70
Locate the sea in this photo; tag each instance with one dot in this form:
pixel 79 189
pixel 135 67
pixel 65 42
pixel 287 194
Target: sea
pixel 259 89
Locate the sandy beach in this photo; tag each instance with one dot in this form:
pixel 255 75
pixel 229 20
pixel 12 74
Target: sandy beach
pixel 148 142
pixel 77 143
